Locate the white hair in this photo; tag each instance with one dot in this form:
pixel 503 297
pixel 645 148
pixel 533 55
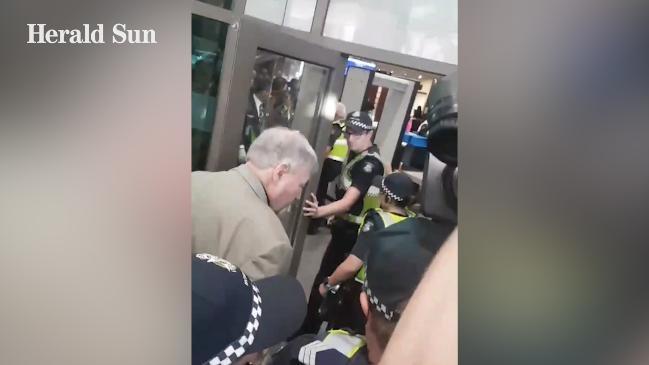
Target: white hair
pixel 341 110
pixel 280 145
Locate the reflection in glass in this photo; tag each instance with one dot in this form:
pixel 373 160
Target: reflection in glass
pixel 227 4
pixel 273 98
pixel 208 44
pixel 284 92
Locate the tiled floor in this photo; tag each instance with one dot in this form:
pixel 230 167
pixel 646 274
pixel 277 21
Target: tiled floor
pixel 314 248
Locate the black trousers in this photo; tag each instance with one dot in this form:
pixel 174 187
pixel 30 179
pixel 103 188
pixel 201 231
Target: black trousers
pixel 343 238
pixel 330 170
pixel 343 309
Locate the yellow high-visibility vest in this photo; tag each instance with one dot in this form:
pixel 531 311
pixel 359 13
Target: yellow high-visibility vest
pixel 388 220
pixel 339 150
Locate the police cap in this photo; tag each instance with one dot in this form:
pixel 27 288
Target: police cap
pixel 397 260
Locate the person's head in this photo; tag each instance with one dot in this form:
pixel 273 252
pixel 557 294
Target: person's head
pixel 396 262
pixel 260 87
pixel 418 113
pixel 234 318
pixel 279 84
pixel 283 160
pixel 341 111
pixel 397 190
pixel 358 131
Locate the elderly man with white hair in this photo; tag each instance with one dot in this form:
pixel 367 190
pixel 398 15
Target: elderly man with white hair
pixel 234 212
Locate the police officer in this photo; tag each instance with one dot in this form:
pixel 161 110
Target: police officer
pixel 386 291
pixel 235 318
pixel 337 151
pixel 352 189
pixel 341 303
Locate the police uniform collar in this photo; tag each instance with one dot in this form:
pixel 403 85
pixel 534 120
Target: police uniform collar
pixel 254 182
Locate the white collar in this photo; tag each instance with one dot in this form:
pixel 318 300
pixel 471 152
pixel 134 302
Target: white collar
pixel 257 102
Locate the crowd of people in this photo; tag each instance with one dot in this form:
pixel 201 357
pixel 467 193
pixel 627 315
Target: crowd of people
pixel 246 310
pixel 271 103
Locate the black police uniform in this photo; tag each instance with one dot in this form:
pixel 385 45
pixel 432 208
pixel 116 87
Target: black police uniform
pixel 343 308
pixel 359 172
pixel 413 243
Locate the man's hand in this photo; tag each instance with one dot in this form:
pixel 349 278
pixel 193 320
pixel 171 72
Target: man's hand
pixel 323 290
pixel 310 208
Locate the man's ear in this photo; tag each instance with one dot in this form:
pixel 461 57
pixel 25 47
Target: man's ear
pixel 280 170
pixel 365 304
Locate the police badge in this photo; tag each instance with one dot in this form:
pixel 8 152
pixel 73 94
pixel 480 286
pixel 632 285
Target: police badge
pixel 367 226
pixel 217 261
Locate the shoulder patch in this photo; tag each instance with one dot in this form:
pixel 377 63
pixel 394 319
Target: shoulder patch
pixel 217 261
pixel 368 167
pixel 367 226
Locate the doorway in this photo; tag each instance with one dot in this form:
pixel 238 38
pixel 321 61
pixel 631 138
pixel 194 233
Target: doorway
pixel 275 79
pixel 390 100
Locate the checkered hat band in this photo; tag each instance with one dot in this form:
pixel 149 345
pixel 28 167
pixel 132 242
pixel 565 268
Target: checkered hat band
pixel 358 123
pixel 388 314
pixel 238 347
pixel 390 194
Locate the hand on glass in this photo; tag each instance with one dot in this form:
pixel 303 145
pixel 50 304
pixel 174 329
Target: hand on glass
pixel 310 208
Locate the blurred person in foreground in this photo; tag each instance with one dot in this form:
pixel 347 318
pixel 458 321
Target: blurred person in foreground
pixel 234 212
pixel 433 310
pixel 234 318
pixel 396 263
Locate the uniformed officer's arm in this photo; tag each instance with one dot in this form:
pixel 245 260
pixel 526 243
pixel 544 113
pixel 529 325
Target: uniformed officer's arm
pixel 342 206
pixel 312 350
pixel 346 270
pixel 289 355
pixel 364 173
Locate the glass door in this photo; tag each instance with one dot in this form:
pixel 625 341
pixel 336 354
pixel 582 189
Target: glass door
pixel 284 92
pixel 277 80
pixel 208 45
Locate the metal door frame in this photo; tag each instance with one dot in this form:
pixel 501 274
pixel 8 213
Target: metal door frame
pixel 256 34
pixel 247 36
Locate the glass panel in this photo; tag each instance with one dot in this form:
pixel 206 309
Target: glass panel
pixel 283 92
pixel 423 28
pixel 208 44
pixel 268 10
pixel 299 14
pixel 227 4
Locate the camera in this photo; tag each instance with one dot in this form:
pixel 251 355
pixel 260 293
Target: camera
pixel 440 179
